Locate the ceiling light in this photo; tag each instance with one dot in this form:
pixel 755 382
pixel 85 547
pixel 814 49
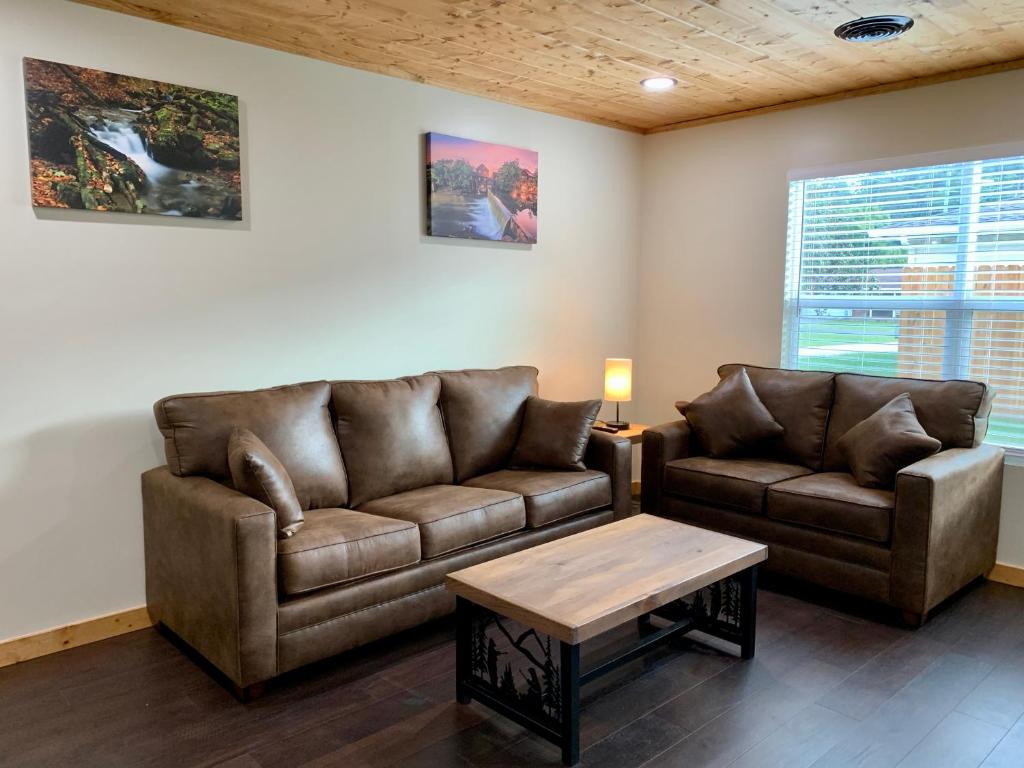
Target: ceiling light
pixel 871 29
pixel 659 83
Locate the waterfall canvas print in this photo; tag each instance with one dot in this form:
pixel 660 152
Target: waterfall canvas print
pixel 107 142
pixel 481 191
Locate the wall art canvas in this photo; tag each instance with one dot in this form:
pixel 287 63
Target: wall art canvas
pixel 481 191
pixel 107 142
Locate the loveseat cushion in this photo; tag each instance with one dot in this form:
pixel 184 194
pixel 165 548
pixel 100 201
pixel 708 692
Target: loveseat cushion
pixel 483 411
pixel 391 435
pixel 885 442
pixel 293 421
pixel 452 517
pixel 954 412
pixel 336 545
pixel 798 400
pixel 736 483
pixel 834 502
pixel 551 495
pixel 730 419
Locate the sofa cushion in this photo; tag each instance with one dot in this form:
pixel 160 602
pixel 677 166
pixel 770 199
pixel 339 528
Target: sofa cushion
pixel 336 545
pixel 953 412
pixel 834 502
pixel 800 402
pixel 293 421
pixel 736 483
pixel 730 419
pixel 256 472
pixel 885 442
pixel 554 435
pixel 452 517
pixel 483 411
pixel 551 495
pixel 391 435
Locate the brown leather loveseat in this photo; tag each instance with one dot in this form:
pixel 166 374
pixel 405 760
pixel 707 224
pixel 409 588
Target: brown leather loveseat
pixel 402 481
pixel 910 547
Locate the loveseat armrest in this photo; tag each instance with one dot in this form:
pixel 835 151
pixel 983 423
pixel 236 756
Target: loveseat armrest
pixel 613 455
pixel 946 525
pixel 211 571
pixel 661 444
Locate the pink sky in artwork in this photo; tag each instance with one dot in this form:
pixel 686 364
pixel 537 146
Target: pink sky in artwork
pixel 444 147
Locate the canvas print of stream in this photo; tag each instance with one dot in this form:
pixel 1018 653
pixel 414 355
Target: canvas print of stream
pixel 107 142
pixel 481 191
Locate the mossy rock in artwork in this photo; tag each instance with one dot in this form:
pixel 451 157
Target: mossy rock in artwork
pixel 175 136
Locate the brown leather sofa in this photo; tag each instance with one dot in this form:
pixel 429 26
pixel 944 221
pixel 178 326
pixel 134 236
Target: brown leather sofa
pixel 911 547
pixel 401 481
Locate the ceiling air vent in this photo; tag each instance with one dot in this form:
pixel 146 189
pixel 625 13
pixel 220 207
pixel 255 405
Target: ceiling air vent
pixel 871 29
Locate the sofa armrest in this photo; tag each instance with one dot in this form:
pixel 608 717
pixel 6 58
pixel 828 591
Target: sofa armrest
pixel 613 455
pixel 946 524
pixel 661 444
pixel 210 571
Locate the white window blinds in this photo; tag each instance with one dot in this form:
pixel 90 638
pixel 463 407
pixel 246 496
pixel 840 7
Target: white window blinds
pixel 916 272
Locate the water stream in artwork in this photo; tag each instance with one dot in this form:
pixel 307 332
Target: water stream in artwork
pixel 169 191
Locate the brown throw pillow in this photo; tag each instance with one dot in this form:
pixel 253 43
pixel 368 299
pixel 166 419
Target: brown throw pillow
pixel 730 419
pixel 554 435
pixel 256 472
pixel 885 442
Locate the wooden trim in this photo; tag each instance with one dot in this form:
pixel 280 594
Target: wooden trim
pixel 73 635
pixel 899 85
pixel 1007 574
pixel 635 488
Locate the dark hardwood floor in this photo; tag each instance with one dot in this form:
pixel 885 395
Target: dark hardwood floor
pixel 827 688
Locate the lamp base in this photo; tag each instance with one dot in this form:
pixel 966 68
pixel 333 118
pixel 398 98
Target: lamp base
pixel 618 424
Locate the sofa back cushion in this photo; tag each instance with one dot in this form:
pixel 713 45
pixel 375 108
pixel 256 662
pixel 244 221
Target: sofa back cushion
pixel 391 435
pixel 800 402
pixel 483 411
pixel 954 412
pixel 293 421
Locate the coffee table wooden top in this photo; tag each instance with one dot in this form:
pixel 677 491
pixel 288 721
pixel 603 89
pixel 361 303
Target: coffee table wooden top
pixel 580 586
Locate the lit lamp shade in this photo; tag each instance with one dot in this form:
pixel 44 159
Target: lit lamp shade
pixel 618 385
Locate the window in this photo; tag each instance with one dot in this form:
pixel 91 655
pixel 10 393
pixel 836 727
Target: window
pixel 915 272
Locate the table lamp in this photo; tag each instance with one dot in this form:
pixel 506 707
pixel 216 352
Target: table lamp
pixel 618 386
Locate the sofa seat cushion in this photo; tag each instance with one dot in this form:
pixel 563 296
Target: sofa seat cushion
pixel 551 495
pixel 452 517
pixel 336 545
pixel 834 502
pixel 736 483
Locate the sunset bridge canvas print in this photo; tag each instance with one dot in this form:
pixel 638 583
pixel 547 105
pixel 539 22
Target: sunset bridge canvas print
pixel 481 191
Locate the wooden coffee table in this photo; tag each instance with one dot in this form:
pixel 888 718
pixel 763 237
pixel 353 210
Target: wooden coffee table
pixel 568 591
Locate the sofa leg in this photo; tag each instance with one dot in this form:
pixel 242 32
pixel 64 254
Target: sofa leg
pixel 914 620
pixel 249 692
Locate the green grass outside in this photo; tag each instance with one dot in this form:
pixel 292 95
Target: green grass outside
pixel 815 332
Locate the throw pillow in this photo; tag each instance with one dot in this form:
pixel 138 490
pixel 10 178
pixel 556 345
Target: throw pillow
pixel 730 419
pixel 256 472
pixel 885 442
pixel 554 435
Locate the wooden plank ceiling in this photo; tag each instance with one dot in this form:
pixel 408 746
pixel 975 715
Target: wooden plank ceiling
pixel 585 58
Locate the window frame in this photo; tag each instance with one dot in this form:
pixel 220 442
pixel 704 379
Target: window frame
pixel 958 308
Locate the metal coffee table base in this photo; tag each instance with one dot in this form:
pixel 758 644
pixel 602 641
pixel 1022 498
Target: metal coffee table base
pixel 542 690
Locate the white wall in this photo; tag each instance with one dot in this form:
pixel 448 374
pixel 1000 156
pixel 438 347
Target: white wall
pixel 329 276
pixel 713 228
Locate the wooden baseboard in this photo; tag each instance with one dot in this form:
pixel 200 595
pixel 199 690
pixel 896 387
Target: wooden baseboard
pixel 1007 574
pixel 635 488
pixel 80 633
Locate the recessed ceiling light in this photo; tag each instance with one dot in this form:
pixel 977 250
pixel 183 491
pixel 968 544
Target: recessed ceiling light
pixel 872 29
pixel 659 83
